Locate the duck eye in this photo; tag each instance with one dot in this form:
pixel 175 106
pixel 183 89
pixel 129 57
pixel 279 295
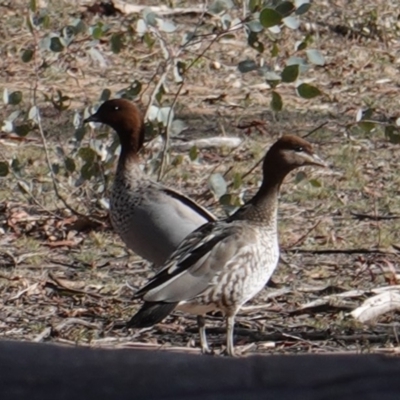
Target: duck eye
pixel 116 108
pixel 298 149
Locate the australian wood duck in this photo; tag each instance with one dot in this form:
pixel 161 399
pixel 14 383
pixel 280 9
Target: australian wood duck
pixel 150 218
pixel 223 264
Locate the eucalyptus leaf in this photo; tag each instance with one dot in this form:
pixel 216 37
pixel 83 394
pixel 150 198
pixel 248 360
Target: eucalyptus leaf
pixel 33 114
pixel 217 185
pixel 247 66
pixel 307 91
pixel 27 55
pixel 276 101
pixel 291 22
pixel 285 8
pixel 141 27
pixel 218 6
pixel 150 16
pixel 87 154
pixel 303 8
pixel 56 45
pixel 105 95
pixel 80 133
pixel 22 130
pixel 167 26
pixel 117 42
pixel 165 115
pixel 15 97
pixel 4 168
pixel 393 134
pixel 315 57
pixel 315 183
pixel 300 176
pixel 290 73
pixel 366 126
pixel 177 127
pixel 270 17
pixel 254 42
pixel 193 153
pixel 255 26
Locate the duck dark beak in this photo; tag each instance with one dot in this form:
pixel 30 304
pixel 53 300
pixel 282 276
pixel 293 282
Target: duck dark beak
pixel 313 159
pixel 92 118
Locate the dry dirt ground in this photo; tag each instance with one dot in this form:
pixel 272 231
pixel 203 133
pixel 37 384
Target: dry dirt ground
pixel 69 280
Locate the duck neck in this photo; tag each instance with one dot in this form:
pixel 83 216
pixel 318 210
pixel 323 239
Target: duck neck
pixel 131 143
pixel 262 209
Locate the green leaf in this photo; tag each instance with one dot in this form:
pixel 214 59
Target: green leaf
pixel 253 42
pixel 80 26
pixel 32 5
pixel 315 183
pixel 254 5
pixel 193 153
pixel 393 134
pixel 117 42
pixel 56 168
pixel 87 154
pixel 285 8
pixel 270 17
pixel 179 71
pixel 15 97
pixel 274 50
pixel 229 200
pixel 16 165
pixel 27 55
pixel 247 66
pixel 22 130
pixel 276 101
pixel 315 57
pixel 4 168
pixel 132 91
pixel 97 32
pixel 178 160
pixel 160 93
pixel 148 39
pixel 303 8
pixel 300 45
pixel 290 73
pixel 69 164
pixel 55 44
pixel 105 95
pixel 307 91
pixel 366 126
pixel 88 170
pixel 237 181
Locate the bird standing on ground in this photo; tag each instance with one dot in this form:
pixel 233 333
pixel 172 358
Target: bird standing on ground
pixel 223 264
pixel 150 218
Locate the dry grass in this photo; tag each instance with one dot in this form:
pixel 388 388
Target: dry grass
pixel 64 280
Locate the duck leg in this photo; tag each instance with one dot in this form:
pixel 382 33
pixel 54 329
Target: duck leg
pixel 230 324
pixel 201 322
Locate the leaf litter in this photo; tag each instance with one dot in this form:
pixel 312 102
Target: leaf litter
pixel 70 280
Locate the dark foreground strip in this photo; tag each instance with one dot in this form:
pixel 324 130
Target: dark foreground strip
pixel 49 372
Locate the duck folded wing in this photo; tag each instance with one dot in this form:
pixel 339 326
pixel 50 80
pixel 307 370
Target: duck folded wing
pixel 189 205
pixel 193 266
